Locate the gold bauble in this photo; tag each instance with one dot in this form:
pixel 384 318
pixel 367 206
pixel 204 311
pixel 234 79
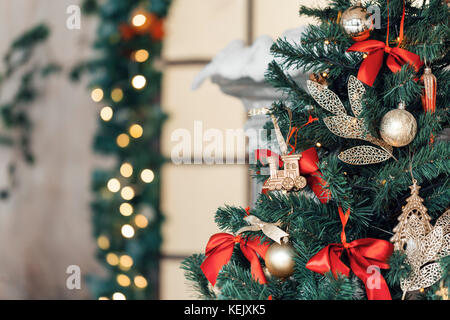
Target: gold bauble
pixel 357 23
pixel 398 127
pixel 280 260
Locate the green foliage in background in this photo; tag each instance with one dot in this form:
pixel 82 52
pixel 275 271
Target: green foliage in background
pixel 375 193
pixel 14 112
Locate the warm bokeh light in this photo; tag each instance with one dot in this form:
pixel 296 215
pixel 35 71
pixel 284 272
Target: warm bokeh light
pixel 140 282
pixel 147 175
pixel 103 242
pixel 127 231
pixel 112 259
pixel 106 113
pixel 126 262
pixel 123 280
pixel 126 209
pixel 138 82
pixel 141 221
pixel 119 296
pixel 113 185
pixel 117 95
pixel 141 55
pixel 123 140
pixel 136 131
pixel 139 20
pixel 127 193
pixel 97 95
pixel 103 298
pixel 126 170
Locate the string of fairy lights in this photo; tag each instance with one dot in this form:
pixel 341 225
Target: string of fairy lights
pixel 120 184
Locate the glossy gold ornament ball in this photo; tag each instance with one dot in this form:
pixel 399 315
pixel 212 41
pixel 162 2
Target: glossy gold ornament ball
pixel 356 22
pixel 398 127
pixel 280 260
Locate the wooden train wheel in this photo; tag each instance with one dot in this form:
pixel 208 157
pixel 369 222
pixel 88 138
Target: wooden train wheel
pixel 300 182
pixel 288 183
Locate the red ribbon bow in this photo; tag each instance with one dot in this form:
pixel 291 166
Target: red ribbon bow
pixel 375 49
pixel 220 249
pixel 308 167
pixel 362 254
pixel 370 67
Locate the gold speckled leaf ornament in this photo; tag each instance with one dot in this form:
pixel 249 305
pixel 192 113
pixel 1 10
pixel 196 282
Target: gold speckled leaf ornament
pixel 350 127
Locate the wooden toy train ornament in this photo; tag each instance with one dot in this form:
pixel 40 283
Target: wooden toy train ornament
pixel 289 178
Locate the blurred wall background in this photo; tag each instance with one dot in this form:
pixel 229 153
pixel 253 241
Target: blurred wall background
pixel 45 224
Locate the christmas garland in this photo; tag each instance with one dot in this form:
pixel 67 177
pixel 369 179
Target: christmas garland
pixel 126 208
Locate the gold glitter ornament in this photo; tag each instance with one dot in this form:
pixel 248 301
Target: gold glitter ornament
pixel 398 127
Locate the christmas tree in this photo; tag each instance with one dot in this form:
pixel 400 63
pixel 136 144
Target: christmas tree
pixel 369 125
